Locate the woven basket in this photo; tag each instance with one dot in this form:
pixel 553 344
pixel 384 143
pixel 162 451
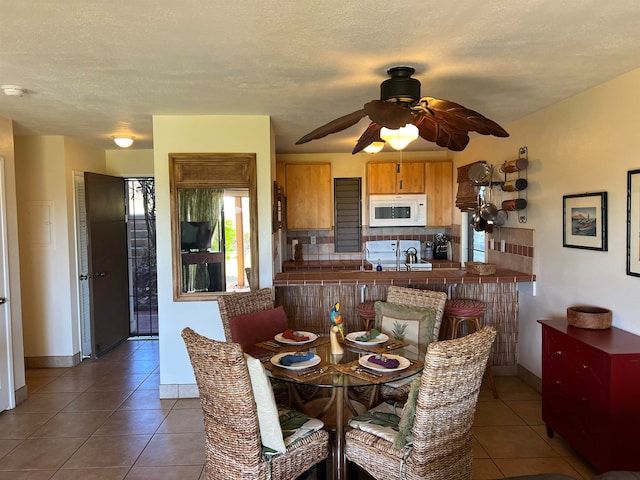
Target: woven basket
pixel 479 268
pixel 594 318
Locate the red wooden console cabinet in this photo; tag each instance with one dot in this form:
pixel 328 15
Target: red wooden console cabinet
pixel 591 392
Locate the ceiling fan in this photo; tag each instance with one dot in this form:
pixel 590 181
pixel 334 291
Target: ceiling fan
pixel 446 123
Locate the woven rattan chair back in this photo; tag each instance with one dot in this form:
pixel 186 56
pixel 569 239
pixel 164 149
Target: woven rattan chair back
pixel 451 381
pixel 233 446
pixel 242 303
pixel 413 297
pixel 442 441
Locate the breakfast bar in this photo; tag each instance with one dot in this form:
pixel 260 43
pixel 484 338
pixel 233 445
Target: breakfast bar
pixel 308 296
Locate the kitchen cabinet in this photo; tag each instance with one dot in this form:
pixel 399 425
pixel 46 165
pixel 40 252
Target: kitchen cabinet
pixel 309 204
pixel 439 189
pixel 591 392
pixel 383 177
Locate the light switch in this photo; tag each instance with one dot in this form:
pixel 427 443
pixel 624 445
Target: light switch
pixel 503 247
pixel 313 239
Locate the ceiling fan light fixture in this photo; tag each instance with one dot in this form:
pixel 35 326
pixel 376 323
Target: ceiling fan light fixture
pixel 400 138
pixel 123 142
pixel 374 147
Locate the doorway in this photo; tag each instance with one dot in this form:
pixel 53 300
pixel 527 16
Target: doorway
pixel 138 269
pixel 141 247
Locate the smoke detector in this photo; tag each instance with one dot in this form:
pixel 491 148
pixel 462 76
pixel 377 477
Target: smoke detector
pixel 13 90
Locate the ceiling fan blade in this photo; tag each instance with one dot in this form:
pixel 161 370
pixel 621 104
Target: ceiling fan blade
pixel 370 135
pixel 334 126
pixel 387 114
pixel 430 129
pixel 461 118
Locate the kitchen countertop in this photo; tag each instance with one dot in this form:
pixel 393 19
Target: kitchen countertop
pixel 429 277
pixel 352 265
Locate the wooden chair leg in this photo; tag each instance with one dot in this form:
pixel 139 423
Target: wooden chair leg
pixel 492 382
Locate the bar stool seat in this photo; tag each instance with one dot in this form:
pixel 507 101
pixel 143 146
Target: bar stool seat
pixel 465 315
pixel 367 313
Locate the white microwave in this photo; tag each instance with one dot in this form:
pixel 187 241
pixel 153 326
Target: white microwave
pixel 409 210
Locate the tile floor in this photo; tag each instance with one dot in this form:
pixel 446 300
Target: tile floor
pixel 103 420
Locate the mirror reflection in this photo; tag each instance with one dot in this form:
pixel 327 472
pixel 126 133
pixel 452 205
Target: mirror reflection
pixel 214 239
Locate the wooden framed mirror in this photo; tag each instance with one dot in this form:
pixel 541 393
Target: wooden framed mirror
pixel 214 227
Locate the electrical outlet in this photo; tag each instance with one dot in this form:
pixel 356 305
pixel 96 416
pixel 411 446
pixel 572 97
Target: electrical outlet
pixel 503 246
pixel 313 239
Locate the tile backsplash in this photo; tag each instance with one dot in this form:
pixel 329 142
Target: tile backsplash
pixel 323 249
pixel 519 251
pixel 518 254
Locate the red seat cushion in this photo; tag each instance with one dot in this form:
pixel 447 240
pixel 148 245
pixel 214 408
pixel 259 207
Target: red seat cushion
pixel 464 308
pixel 249 329
pixel 367 309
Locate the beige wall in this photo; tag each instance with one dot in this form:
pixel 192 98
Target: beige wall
pixel 44 182
pixel 584 144
pixel 203 134
pixel 130 163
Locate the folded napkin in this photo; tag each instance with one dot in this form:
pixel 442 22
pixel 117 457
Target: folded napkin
pixel 288 360
pixel 369 336
pixel 293 335
pixel 384 361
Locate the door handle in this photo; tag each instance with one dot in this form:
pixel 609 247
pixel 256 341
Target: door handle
pixel 101 274
pixel 3 300
pixel 84 277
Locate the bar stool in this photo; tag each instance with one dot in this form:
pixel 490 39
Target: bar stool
pixel 367 313
pixel 461 313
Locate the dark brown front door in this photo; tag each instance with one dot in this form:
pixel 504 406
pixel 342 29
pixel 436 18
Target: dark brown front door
pixel 109 284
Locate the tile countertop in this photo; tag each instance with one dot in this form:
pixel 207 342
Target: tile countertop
pixel 433 277
pixel 337 265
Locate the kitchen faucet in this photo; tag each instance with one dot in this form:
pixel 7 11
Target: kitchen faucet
pixel 363 254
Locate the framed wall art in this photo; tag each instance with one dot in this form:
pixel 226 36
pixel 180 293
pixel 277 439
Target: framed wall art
pixel 633 223
pixel 584 221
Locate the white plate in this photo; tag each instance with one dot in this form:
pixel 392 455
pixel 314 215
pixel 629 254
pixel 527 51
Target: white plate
pixel 281 339
pixel 295 366
pixel 404 363
pixel 379 339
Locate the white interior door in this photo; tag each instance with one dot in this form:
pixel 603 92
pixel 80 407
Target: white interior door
pixel 7 397
pixel 84 301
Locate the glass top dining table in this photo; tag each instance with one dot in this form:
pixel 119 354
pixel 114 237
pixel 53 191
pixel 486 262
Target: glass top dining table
pixel 340 372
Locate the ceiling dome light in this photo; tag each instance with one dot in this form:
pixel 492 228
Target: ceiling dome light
pixel 13 90
pixel 374 147
pixel 123 142
pixel 400 138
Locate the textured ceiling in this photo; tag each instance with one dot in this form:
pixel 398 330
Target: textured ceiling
pixel 96 68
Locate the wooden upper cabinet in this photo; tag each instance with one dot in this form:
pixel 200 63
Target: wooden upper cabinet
pixel 383 178
pixel 411 178
pixel 439 188
pixel 308 188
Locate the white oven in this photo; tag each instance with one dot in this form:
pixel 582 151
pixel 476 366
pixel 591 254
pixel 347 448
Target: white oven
pixel 409 210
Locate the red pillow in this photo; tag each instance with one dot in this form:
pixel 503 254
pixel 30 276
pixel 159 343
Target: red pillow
pixel 249 329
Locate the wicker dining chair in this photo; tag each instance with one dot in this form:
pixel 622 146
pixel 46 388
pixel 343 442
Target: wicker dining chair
pixel 441 445
pixel 232 430
pixel 242 303
pixel 416 298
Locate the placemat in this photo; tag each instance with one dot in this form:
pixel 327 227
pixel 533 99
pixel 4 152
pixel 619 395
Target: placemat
pixel 356 370
pixel 274 346
pixel 387 346
pixel 303 375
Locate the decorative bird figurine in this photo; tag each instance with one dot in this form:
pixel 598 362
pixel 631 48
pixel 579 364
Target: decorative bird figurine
pixel 336 318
